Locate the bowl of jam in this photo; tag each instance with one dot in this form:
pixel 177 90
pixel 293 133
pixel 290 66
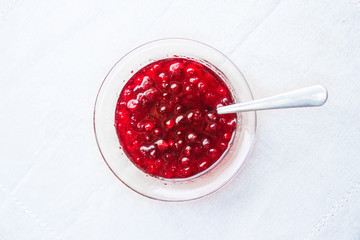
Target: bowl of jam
pixel 156 122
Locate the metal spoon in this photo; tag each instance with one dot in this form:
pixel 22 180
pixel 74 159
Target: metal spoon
pixel 306 97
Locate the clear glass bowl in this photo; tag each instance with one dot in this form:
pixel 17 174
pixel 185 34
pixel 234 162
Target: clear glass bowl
pixel 166 189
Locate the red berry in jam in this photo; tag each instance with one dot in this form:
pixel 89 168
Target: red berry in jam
pixel 191 137
pixel 163 77
pixel 165 97
pixel 194 80
pixel 189 89
pixel 227 136
pixel 221 145
pixel 151 94
pixel 175 68
pixel 192 70
pixel 221 91
pixel 156 132
pixel 213 153
pixel 138 160
pixel 186 172
pixel 187 151
pixel 202 86
pixel 175 87
pixel 149 126
pixel 162 145
pixel 206 143
pixel 169 124
pixel 185 161
pixel 166 118
pixel 168 174
pixel 179 134
pixel 178 108
pixel 132 104
pixel 197 115
pixel 212 128
pixel 204 164
pixel 180 120
pixel 190 116
pixel 171 143
pixel 212 117
pixel 179 145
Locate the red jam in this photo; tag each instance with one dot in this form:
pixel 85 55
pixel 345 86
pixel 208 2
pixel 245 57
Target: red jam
pixel 166 118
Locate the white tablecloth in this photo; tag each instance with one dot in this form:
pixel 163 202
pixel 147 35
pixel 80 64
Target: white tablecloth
pixel 302 180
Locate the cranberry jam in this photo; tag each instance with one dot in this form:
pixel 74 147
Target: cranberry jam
pixel 166 118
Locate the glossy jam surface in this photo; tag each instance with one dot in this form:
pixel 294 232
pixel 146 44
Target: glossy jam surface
pixel 166 118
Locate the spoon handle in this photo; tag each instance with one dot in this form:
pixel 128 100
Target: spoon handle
pixel 305 97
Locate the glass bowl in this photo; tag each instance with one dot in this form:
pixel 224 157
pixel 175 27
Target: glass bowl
pixel 169 189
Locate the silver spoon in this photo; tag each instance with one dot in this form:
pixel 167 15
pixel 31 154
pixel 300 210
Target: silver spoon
pixel 306 97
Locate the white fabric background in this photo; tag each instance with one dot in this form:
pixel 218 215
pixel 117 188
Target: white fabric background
pixel 301 182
